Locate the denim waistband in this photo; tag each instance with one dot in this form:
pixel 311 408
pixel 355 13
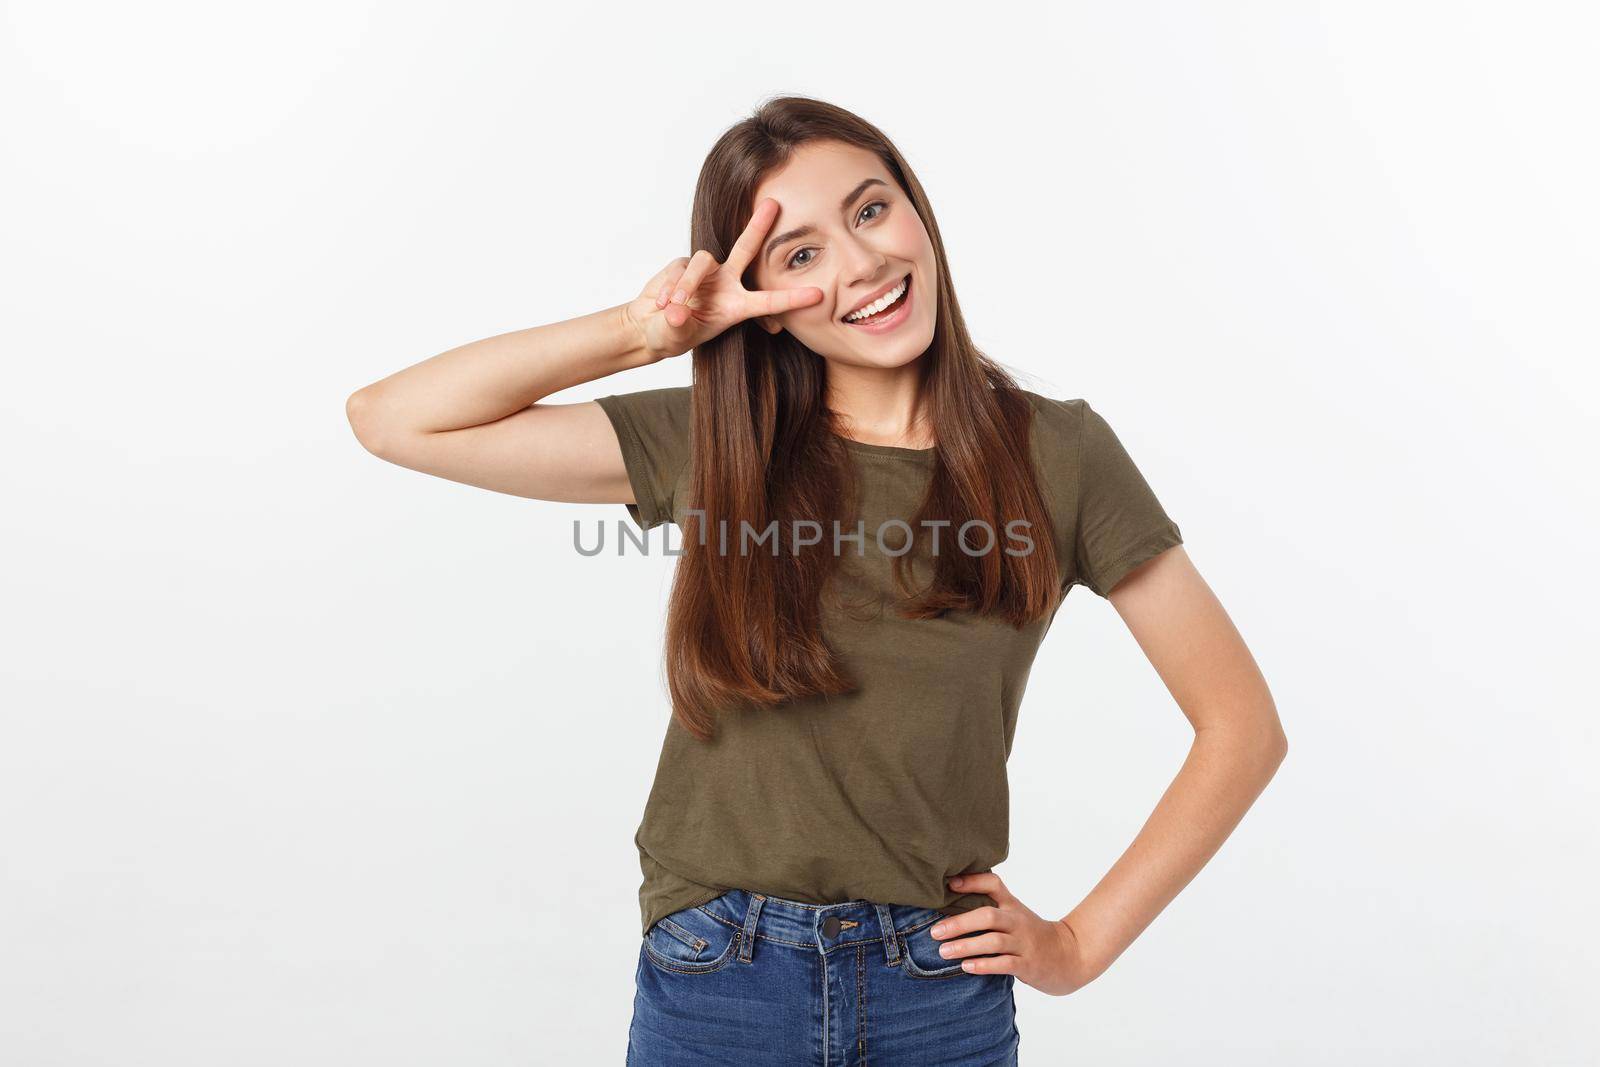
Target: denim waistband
pixel 818 927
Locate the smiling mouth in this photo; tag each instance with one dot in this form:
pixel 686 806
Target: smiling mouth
pixel 883 313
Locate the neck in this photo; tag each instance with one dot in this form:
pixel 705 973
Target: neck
pixel 880 405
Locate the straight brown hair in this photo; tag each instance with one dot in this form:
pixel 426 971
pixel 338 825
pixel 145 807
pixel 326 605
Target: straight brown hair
pixel 744 629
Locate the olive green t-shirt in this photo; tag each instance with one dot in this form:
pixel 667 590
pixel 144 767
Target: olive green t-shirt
pixel 884 793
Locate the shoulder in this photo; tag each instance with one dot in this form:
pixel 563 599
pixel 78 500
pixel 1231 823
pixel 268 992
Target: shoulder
pixel 663 413
pixel 1054 409
pixel 1071 441
pixel 671 400
pixel 1057 424
pixel 1071 423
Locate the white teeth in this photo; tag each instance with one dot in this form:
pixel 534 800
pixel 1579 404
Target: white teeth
pixel 879 304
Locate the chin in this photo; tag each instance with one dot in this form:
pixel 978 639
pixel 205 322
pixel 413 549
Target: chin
pixel 876 361
pixel 891 362
pixel 882 354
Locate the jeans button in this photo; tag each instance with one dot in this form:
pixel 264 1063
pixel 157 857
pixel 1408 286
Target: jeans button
pixel 830 927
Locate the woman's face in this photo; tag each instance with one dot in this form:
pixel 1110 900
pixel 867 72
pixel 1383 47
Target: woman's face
pixel 844 226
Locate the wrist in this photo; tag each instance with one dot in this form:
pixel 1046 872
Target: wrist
pixel 634 347
pixel 1093 955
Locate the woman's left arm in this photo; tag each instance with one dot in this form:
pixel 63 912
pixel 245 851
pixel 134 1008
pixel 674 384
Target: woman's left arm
pixel 1238 745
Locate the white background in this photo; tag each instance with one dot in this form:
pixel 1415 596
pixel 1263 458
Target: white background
pixel 312 759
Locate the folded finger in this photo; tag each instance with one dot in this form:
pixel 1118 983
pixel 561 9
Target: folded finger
pixel 701 264
pixel 670 283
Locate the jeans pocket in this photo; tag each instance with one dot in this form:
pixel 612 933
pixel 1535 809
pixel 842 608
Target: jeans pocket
pixel 691 942
pixel 921 952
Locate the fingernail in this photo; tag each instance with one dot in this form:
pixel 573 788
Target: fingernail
pixel 679 296
pixel 937 931
pixel 944 950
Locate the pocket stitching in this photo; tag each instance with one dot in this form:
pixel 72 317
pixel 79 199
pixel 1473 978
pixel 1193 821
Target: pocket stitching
pixel 681 967
pixel 674 930
pixel 917 971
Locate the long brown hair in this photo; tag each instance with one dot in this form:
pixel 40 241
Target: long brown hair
pixel 744 628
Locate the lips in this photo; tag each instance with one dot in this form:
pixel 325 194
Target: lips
pixel 886 289
pixel 891 318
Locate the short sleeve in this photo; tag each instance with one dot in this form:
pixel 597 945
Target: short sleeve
pixel 652 427
pixel 1120 523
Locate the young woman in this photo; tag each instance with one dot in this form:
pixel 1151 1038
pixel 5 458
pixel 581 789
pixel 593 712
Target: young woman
pixel 879 526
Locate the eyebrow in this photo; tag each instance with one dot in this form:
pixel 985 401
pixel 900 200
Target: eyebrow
pixel 801 231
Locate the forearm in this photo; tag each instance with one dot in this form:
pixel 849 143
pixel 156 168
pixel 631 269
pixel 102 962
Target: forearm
pixel 1224 773
pixel 486 380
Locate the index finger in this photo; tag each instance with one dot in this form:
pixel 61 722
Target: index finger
pixel 749 243
pixel 777 301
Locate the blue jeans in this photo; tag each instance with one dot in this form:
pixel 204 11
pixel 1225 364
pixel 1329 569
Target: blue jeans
pixel 750 979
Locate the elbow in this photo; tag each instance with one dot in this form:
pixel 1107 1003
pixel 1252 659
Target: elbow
pixel 1259 746
pixel 360 412
pixel 1279 747
pixel 1253 749
pixel 1272 743
pixel 1274 746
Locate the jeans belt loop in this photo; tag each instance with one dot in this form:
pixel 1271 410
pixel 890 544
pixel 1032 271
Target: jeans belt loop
pixel 747 942
pixel 891 940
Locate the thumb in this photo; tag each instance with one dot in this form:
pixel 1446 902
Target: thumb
pixel 983 882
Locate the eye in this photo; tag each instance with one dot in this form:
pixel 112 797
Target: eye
pixel 876 203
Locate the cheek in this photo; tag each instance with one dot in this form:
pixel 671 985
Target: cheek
pixel 909 234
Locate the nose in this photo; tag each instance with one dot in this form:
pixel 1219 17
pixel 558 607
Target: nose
pixel 863 263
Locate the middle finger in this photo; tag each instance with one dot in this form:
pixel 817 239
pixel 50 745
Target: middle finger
pixel 977 945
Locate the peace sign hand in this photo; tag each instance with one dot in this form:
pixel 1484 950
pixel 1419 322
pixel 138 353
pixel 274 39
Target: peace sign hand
pixel 693 299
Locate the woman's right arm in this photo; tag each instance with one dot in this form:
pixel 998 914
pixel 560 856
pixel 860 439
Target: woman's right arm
pixel 472 414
